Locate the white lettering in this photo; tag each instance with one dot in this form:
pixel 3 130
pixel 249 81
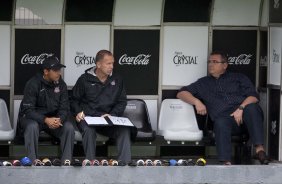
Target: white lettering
pixel 27 59
pixel 242 59
pixel 141 59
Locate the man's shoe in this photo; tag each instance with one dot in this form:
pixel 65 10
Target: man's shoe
pixel 37 162
pixel 67 163
pixel 104 162
pixel 190 162
pixel 25 161
pixel 95 162
pixel 16 163
pixel 148 162
pixel 182 162
pixel 172 162
pixel 46 162
pixel 132 163
pixel 86 162
pixel 226 163
pixel 76 162
pixel 165 162
pixel 7 163
pixel 121 163
pixel 140 162
pixel 56 162
pixel 157 163
pixel 261 156
pixel 113 162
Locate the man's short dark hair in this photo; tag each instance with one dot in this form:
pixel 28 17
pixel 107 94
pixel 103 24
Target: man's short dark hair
pixel 101 54
pixel 222 54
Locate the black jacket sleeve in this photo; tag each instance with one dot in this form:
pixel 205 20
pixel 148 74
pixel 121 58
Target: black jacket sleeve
pixel 121 102
pixel 64 103
pixel 28 107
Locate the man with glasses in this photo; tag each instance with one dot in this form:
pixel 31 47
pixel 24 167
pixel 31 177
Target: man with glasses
pixel 231 101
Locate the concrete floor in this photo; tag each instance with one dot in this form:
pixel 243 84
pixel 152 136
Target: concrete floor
pixel 251 174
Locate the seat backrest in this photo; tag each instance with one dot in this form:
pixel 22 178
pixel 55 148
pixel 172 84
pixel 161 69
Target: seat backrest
pixel 177 115
pixel 5 123
pixel 136 110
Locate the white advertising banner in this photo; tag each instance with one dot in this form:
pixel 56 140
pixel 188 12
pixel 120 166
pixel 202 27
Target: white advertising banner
pixel 137 13
pixel 275 55
pixel 184 54
pixel 82 42
pixel 5 32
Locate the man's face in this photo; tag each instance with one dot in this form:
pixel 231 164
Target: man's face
pixel 52 75
pixel 216 66
pixel 106 65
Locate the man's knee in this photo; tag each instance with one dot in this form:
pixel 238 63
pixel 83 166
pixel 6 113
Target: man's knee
pixel 253 110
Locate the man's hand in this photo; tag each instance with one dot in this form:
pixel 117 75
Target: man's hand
pixel 80 116
pixel 238 116
pixel 200 108
pixel 53 122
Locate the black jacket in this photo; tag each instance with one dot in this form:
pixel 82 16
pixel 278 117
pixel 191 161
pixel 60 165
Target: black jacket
pixel 44 99
pixel 95 98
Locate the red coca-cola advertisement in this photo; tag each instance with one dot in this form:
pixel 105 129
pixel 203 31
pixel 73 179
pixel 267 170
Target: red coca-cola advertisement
pixel 137 60
pixel 240 47
pixel 32 46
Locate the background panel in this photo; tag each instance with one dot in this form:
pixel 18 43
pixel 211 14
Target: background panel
pixel 82 42
pixel 137 60
pixel 32 46
pixel 240 47
pixel 184 55
pixel 5 46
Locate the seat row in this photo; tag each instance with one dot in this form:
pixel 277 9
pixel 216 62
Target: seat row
pixel 177 122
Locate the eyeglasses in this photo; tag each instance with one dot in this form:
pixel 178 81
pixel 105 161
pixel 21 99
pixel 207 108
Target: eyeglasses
pixel 215 62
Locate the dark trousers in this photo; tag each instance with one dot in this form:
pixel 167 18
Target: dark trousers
pixel 31 131
pixel 120 133
pixel 225 127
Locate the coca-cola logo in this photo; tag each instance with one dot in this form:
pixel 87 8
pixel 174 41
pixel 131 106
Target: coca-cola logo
pixel 180 59
pixel 81 59
pixel 28 59
pixel 141 59
pixel 263 61
pixel 276 4
pixel 242 59
pixel 275 56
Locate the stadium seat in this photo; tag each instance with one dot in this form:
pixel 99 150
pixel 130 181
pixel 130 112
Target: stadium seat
pixel 136 110
pixel 7 133
pixel 177 121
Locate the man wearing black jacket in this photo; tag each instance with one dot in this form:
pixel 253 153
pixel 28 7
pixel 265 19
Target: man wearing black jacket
pixel 45 106
pixel 99 93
